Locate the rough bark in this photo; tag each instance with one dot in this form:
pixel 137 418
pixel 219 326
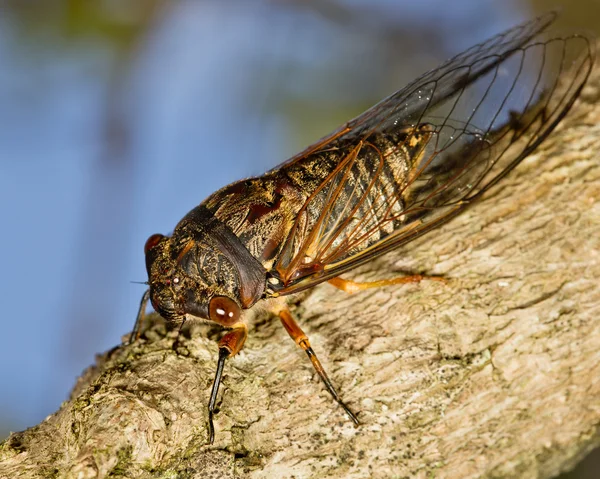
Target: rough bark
pixel 495 374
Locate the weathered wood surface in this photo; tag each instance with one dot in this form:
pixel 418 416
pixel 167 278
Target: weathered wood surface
pixel 495 374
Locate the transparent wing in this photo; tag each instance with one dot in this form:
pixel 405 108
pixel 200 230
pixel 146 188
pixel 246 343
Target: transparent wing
pixel 421 156
pixel 435 86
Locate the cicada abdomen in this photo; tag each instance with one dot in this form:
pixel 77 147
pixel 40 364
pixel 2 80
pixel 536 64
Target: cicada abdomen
pixel 354 198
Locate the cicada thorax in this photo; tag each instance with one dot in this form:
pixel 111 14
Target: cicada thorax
pixel 221 258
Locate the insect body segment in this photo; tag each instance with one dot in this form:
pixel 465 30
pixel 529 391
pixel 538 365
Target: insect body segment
pixel 402 168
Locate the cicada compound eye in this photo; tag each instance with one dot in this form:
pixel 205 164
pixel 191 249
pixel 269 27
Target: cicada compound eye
pixel 152 242
pixel 224 310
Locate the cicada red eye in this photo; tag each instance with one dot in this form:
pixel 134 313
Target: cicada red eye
pixel 224 311
pixel 152 242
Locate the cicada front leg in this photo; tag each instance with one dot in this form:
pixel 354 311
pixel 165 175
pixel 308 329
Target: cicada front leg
pixel 137 327
pixel 229 346
pixel 301 340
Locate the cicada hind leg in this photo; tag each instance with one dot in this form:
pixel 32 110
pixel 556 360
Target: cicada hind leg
pixel 301 340
pixel 350 286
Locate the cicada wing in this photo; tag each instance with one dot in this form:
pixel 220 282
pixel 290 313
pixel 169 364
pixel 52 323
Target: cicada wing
pixel 429 87
pixel 427 152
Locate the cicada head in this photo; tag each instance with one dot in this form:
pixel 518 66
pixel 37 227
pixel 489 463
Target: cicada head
pixel 191 278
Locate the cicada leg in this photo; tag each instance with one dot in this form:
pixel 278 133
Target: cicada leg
pixel 350 286
pixel 301 340
pixel 229 346
pixel 139 320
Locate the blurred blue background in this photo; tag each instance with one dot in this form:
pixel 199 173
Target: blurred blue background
pixel 117 117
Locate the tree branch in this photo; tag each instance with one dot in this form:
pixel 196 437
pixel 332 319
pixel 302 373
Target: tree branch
pixel 495 374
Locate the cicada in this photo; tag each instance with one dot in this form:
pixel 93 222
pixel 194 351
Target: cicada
pixel 402 168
